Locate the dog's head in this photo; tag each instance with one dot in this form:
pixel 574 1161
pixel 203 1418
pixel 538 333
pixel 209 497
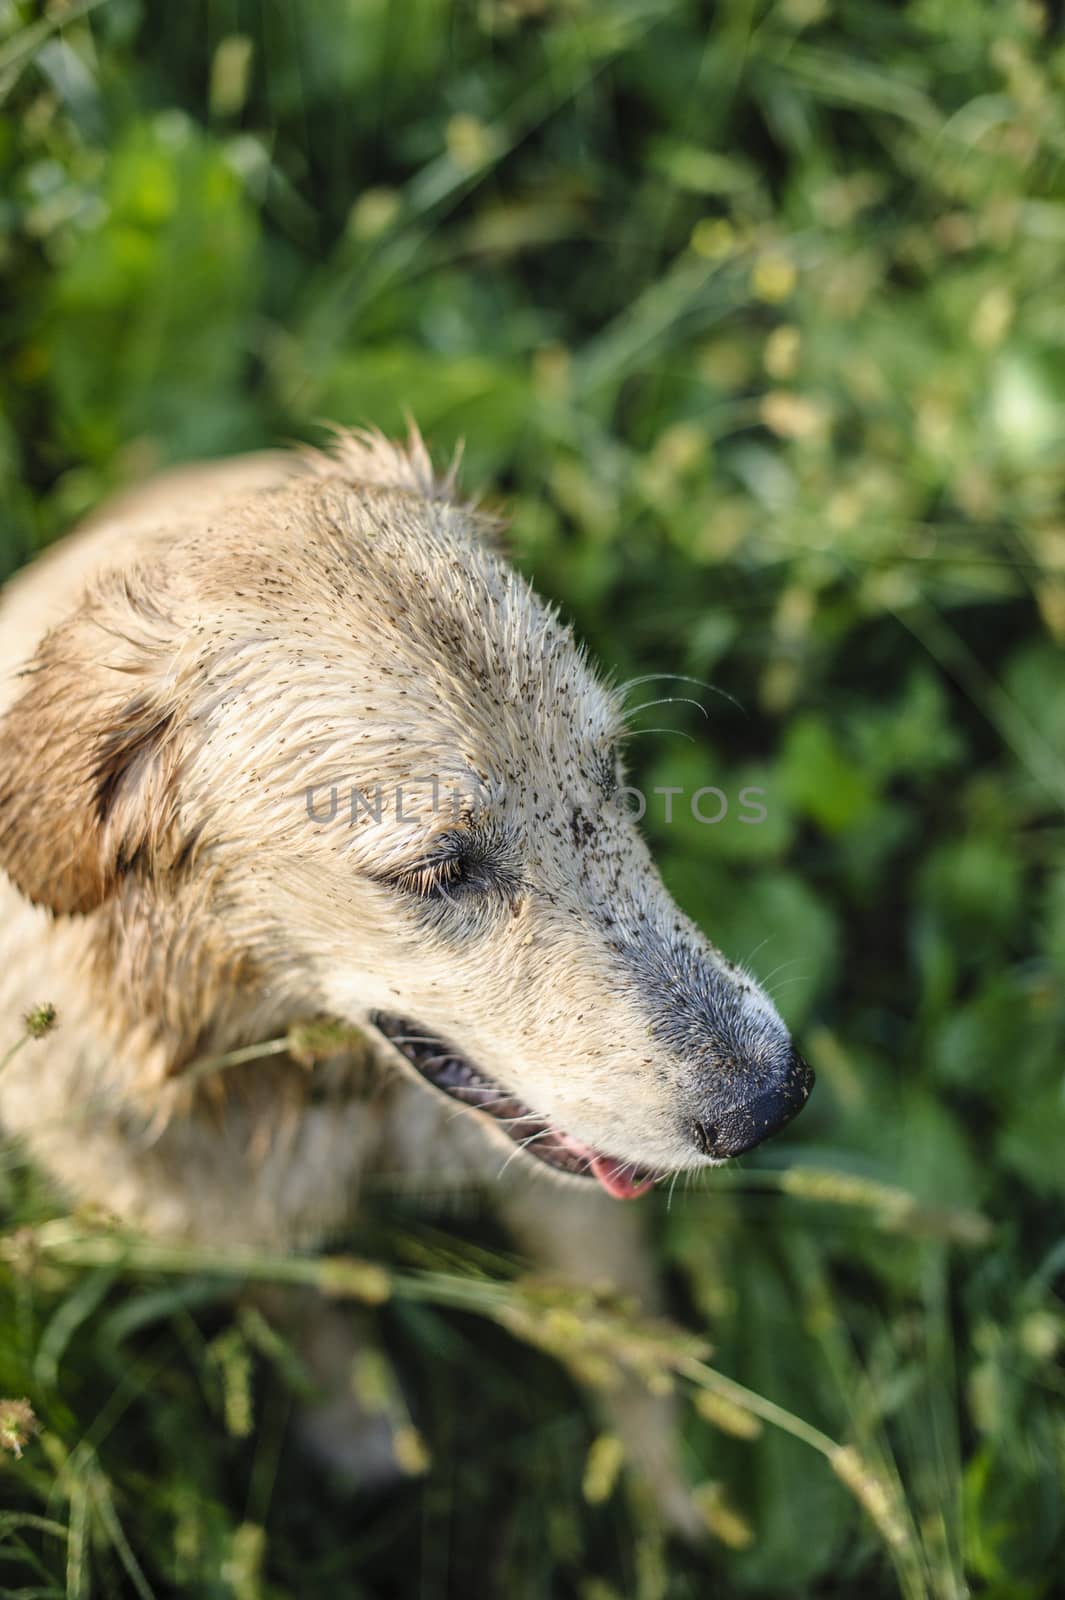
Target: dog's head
pixel 387 775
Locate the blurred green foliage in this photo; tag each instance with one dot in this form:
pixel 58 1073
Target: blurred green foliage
pixel 752 316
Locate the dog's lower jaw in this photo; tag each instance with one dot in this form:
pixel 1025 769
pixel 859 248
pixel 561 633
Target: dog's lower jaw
pixel 447 1071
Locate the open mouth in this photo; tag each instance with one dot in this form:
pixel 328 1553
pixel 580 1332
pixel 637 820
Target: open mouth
pixel 454 1075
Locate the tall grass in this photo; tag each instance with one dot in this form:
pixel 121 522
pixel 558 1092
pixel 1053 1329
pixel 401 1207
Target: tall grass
pixel 750 316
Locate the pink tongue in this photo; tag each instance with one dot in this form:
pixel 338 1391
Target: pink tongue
pixel 616 1178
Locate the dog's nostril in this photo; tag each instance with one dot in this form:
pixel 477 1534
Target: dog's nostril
pixel 704 1137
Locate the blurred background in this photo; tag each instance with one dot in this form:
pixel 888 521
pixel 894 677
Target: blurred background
pixel 752 318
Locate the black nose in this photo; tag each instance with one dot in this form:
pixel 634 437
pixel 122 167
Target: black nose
pixel 741 1126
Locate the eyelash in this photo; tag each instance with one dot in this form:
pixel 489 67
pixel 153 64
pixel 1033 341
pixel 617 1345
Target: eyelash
pixel 475 862
pixel 431 878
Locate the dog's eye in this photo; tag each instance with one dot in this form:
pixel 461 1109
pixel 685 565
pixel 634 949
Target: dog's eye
pixel 454 863
pixel 435 877
pixel 465 863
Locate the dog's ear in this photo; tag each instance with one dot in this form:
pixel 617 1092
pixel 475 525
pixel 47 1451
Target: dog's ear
pixel 89 755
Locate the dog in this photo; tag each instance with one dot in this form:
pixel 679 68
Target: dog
pixel 285 738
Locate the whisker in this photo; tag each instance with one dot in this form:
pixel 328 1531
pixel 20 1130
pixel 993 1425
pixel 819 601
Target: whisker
pixel 759 946
pixel 523 1145
pixel 781 967
pixel 798 978
pixel 633 733
pixel 680 677
pixel 668 700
